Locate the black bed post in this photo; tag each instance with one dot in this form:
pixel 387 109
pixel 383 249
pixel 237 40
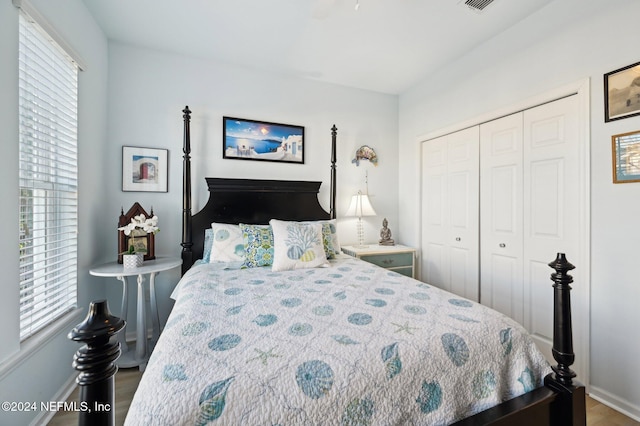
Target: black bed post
pixel 96 363
pixel 187 242
pixel 570 405
pixel 332 207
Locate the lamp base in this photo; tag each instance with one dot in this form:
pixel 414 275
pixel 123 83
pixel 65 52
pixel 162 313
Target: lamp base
pixel 360 230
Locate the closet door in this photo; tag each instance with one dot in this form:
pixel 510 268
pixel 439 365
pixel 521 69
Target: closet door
pixel 450 203
pixel 530 204
pixel 501 198
pixel 552 188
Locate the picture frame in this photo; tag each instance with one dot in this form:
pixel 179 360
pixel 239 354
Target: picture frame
pixel 144 169
pixel 244 139
pixel 622 93
pixel 141 239
pixel 625 149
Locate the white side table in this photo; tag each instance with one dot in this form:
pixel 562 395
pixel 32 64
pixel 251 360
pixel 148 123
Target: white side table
pixel 152 268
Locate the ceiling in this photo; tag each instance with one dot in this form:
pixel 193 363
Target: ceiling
pixel 385 46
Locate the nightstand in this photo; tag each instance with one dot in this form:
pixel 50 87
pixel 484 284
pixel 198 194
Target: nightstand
pixel 152 268
pixel 398 258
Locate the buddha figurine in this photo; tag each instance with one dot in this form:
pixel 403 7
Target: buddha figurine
pixel 385 234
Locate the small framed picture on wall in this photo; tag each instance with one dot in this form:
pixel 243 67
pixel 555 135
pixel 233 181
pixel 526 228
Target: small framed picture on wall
pixel 144 169
pixel 622 93
pixel 625 149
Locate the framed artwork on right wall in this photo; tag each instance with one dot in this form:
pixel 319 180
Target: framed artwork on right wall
pixel 622 93
pixel 625 149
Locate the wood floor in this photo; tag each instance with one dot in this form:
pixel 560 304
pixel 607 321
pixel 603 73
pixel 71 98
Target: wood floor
pixel 127 381
pixel 599 414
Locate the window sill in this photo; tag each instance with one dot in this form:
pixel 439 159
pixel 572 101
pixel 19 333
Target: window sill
pixel 37 342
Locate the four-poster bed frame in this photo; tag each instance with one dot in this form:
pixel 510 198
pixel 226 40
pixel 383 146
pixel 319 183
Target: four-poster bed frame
pixel 561 401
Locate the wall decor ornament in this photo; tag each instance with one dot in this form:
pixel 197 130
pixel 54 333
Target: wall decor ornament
pixel 625 150
pixel 244 139
pixel 622 93
pixel 144 169
pixel 365 152
pixel 136 232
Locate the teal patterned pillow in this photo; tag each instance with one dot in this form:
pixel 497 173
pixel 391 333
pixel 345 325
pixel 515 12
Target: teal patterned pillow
pixel 333 228
pixel 208 242
pixel 227 247
pixel 258 245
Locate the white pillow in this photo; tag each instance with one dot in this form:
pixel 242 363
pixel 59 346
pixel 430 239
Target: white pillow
pixel 297 245
pixel 228 245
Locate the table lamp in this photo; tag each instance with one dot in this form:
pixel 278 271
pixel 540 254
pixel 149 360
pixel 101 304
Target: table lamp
pixel 360 206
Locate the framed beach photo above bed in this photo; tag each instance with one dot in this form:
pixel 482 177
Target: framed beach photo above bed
pixel 622 93
pixel 625 150
pixel 263 141
pixel 144 169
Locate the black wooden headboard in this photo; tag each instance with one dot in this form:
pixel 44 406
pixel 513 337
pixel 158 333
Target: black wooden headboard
pixel 253 201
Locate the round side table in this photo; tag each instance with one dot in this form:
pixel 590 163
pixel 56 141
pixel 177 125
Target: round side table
pixel 153 267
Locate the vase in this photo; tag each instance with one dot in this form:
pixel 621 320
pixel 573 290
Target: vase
pixel 131 261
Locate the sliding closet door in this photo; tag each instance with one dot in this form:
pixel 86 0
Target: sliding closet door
pixel 501 198
pixel 551 211
pixel 450 212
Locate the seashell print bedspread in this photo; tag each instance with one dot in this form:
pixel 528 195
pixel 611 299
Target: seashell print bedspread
pixel 351 344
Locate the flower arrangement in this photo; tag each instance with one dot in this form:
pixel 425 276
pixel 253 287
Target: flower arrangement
pixel 139 225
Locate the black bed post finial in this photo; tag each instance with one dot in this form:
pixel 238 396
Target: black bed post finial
pixel 562 334
pixel 569 407
pixel 187 242
pixel 96 363
pixel 332 206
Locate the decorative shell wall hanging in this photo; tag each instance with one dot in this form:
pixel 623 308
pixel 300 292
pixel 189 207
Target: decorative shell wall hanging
pixel 365 152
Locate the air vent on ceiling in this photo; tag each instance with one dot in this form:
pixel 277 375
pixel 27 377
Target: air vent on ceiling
pixel 477 5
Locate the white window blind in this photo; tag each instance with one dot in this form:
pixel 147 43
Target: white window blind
pixel 48 97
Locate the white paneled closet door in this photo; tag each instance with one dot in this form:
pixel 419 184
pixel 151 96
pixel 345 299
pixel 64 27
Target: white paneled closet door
pixel 450 212
pixel 529 210
pixel 552 183
pixel 501 227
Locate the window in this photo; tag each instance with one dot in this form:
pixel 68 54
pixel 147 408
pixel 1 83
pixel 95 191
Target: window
pixel 48 168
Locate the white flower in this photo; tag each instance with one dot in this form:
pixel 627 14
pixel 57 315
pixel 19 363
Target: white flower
pixel 151 225
pixel 140 221
pixel 128 228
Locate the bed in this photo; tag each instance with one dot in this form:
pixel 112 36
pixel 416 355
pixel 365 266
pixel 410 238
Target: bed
pixel 290 336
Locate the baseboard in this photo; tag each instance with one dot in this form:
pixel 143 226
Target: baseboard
pixel 623 406
pixel 62 395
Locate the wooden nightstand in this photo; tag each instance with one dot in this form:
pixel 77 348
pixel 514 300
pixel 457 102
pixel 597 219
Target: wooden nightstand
pixel 398 258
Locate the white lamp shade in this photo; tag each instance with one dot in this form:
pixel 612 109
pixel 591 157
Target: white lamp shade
pixel 360 206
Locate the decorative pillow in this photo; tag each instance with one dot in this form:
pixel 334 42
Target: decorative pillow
pixel 297 245
pixel 329 237
pixel 258 245
pixel 208 241
pixel 227 245
pixel 333 226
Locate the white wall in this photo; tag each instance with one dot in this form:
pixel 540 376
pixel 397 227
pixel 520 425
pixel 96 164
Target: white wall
pixel 147 92
pixel 567 41
pixel 38 374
